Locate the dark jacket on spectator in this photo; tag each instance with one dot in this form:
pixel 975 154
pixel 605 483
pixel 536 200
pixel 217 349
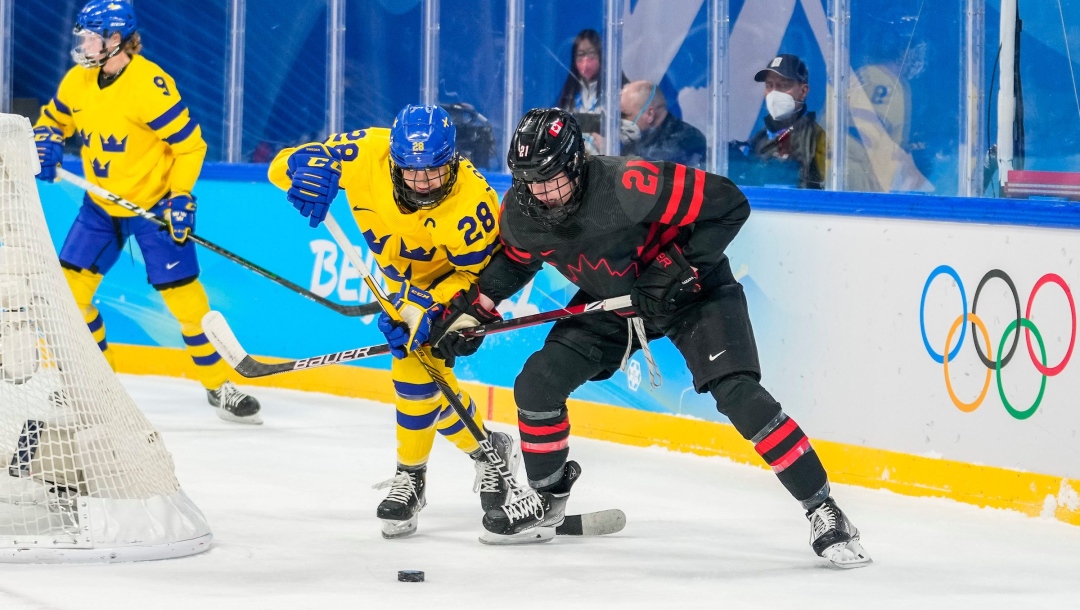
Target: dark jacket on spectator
pixel 673 140
pixel 801 141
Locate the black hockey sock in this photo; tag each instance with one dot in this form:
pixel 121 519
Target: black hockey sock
pixel 541 390
pixel 544 446
pixel 786 449
pixel 776 437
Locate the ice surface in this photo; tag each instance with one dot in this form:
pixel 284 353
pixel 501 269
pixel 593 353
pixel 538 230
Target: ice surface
pixel 293 516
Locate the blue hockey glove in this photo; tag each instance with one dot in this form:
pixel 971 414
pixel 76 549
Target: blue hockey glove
pixel 315 170
pixel 417 309
pixel 180 216
pixel 50 151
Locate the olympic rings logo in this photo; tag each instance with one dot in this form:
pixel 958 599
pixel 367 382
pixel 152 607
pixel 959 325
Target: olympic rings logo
pixel 996 364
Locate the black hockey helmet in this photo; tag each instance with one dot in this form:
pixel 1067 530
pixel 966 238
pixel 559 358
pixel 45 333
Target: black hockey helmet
pixel 547 141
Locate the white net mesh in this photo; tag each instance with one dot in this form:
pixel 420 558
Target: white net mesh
pixel 82 466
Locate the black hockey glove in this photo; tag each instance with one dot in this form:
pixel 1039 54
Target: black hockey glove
pixel 462 312
pixel 667 284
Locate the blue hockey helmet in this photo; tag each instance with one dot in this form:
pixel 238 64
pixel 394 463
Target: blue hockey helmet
pixel 423 142
pixel 95 24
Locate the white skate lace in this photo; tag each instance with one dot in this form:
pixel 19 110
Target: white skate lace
pixel 487 478
pixel 401 487
pixel 637 326
pixel 229 396
pixel 825 519
pixel 528 505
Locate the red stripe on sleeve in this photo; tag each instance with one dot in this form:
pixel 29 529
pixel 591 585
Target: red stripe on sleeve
pixel 676 195
pixel 776 437
pixel 640 163
pixel 648 241
pixel 518 255
pixel 695 203
pixel 665 238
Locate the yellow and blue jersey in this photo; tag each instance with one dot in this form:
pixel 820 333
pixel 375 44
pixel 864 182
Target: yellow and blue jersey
pixel 442 249
pixel 138 139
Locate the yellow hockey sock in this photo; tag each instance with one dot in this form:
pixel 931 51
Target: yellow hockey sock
pixel 422 409
pixel 451 426
pixel 189 304
pixel 84 285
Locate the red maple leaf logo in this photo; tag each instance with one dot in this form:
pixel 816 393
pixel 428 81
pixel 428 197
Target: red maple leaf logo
pixel 573 272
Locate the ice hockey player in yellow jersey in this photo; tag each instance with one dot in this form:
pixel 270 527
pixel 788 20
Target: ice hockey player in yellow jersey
pixel 138 141
pixel 431 221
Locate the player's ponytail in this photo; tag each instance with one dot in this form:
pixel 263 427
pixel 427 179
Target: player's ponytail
pixel 133 45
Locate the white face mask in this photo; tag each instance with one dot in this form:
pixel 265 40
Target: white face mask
pixel 629 131
pixel 779 104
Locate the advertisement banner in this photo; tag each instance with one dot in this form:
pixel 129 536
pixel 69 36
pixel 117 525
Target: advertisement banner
pixel 943 340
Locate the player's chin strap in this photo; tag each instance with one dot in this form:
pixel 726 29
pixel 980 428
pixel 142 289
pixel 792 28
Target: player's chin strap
pixel 637 326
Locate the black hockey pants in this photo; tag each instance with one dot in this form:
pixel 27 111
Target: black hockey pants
pixel 715 337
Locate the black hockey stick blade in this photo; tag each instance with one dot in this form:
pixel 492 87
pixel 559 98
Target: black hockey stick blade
pixel 599 523
pixel 221 336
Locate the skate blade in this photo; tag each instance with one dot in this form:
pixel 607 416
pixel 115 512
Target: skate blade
pixel 847 555
pixel 253 419
pixel 399 529
pixel 536 534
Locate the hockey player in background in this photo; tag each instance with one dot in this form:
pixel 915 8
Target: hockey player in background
pixel 138 142
pixel 656 231
pixel 431 221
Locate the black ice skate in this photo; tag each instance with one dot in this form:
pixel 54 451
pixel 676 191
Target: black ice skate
pixel 234 405
pixel 530 515
pixel 834 537
pixel 399 511
pixel 493 490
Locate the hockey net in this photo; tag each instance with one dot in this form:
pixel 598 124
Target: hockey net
pixel 85 476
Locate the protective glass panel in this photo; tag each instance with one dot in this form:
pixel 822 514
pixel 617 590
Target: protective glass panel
pixel 780 141
pixel 383 46
pixel 285 57
pixel 42 39
pixel 193 52
pixel 472 64
pixel 564 58
pixel 665 106
pixel 1046 119
pixel 904 97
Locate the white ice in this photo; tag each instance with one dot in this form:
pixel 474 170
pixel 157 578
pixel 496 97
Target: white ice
pixel 293 515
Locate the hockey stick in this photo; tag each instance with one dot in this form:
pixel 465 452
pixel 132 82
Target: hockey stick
pixel 425 358
pixel 217 330
pixel 586 524
pixel 348 310
pixel 599 523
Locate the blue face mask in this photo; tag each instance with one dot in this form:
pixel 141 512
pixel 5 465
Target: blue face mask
pixel 652 94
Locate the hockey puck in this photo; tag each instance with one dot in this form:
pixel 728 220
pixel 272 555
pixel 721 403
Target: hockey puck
pixel 410 575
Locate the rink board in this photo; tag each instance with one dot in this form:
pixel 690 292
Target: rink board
pixel 840 306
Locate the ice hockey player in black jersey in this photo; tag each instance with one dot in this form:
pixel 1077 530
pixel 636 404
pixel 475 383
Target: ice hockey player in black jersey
pixel 656 231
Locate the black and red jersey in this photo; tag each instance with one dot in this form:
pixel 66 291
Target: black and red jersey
pixel 631 210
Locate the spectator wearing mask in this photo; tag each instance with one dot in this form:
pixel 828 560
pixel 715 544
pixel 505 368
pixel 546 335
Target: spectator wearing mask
pixel 581 91
pixel 652 133
pixel 791 134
